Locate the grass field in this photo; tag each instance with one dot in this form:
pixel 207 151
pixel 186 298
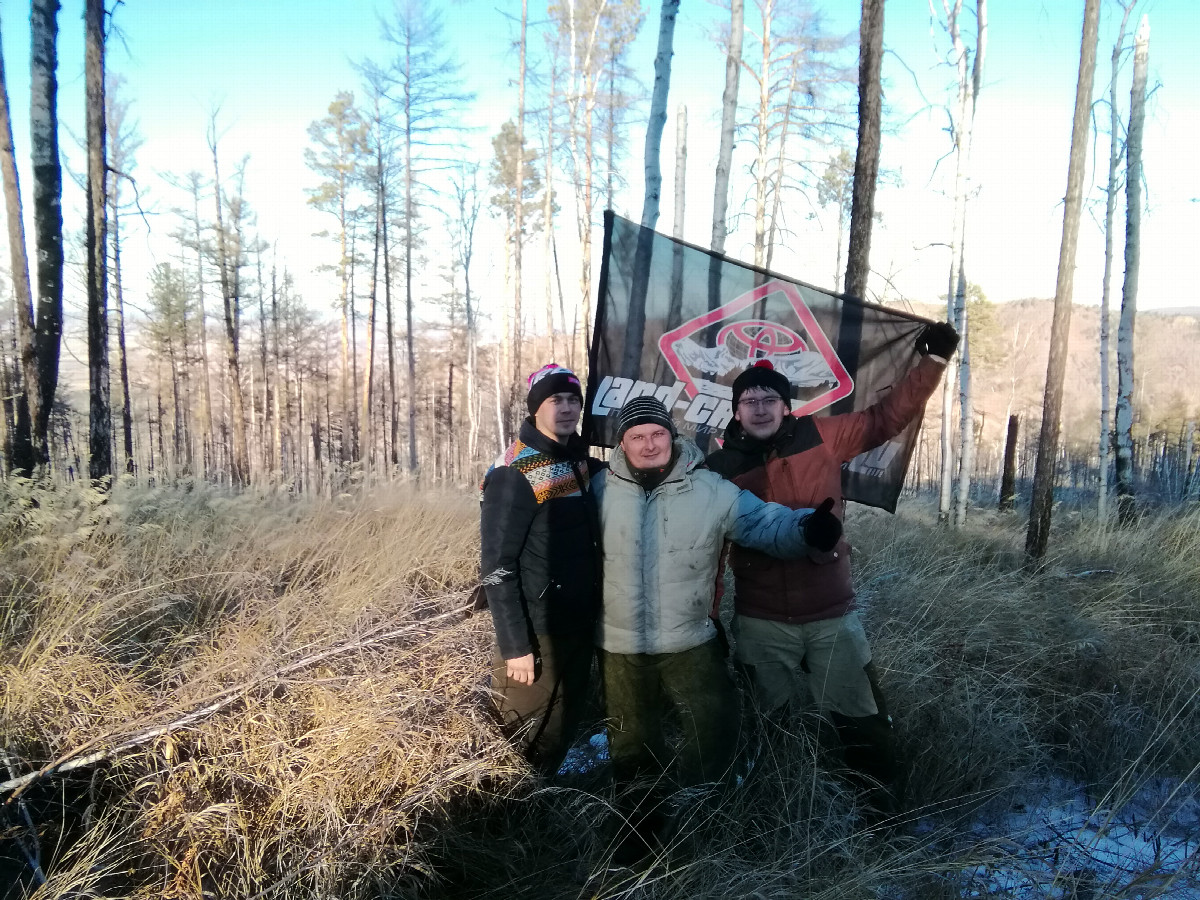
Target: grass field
pixel 263 696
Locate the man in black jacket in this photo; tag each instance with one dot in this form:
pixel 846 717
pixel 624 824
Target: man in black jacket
pixel 540 565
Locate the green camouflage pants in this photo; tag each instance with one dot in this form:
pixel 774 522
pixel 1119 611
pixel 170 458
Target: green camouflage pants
pixel 645 692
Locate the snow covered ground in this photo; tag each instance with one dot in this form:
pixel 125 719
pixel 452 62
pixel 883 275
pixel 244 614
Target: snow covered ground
pixel 1056 842
pixel 1059 843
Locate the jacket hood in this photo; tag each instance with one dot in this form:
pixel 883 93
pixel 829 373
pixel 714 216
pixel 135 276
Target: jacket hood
pixel 688 457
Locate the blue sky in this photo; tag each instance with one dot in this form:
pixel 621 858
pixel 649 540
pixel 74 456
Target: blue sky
pixel 274 66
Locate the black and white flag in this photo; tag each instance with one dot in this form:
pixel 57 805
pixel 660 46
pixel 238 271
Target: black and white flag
pixel 680 322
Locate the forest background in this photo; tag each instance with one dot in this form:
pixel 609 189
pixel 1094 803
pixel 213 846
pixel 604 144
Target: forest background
pixel 279 91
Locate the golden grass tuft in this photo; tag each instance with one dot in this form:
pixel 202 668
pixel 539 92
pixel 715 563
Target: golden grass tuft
pixel 351 752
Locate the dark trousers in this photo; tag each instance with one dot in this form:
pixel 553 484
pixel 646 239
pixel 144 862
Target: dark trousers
pixel 643 691
pixel 545 718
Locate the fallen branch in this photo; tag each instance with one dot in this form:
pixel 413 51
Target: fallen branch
pixel 113 745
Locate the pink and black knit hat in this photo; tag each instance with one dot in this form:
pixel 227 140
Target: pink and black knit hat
pixel 551 379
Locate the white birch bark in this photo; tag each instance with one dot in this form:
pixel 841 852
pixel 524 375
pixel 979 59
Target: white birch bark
pixel 1110 208
pixel 1133 225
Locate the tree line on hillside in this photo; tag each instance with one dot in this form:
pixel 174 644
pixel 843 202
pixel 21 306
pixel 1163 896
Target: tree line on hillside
pixel 225 372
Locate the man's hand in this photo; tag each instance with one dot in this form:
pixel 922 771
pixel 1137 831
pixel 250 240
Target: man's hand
pixel 938 339
pixel 521 669
pixel 822 529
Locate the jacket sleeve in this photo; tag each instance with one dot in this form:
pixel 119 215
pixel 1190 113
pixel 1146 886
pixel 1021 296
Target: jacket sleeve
pixel 854 433
pixel 506 513
pixel 759 525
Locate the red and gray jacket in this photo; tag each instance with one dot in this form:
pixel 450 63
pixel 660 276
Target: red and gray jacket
pixel 799 467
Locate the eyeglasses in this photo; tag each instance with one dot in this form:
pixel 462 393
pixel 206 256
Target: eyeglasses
pixel 767 403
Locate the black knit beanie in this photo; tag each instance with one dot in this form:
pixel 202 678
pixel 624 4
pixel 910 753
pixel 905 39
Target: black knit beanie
pixel 763 375
pixel 643 411
pixel 549 380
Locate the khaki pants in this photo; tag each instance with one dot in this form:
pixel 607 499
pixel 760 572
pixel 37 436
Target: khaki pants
pixel 545 718
pixel 827 657
pixel 833 660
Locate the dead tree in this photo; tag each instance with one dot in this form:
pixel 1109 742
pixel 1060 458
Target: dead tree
pixel 1041 508
pixel 1133 237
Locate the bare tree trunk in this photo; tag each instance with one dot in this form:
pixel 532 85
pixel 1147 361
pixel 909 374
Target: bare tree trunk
pixel 964 122
pixel 1126 506
pixel 762 136
pixel 100 406
pixel 47 220
pixel 1110 208
pixel 208 449
pixel 675 312
pixel 729 98
pixel 364 419
pixel 119 309
pixel 1041 508
pixel 278 396
pixel 547 237
pixel 239 468
pixel 866 160
pixel 393 405
pixel 468 215
pixel 24 456
pixel 1008 481
pixel 966 411
pixel 780 163
pixel 408 267
pixel 519 208
pixel 344 450
pixel 733 69
pixel 636 323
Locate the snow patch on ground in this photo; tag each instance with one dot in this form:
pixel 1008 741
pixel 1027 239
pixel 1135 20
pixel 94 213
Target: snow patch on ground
pixel 1057 842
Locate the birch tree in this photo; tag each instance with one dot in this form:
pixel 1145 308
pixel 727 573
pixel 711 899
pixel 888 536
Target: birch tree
pixel 797 78
pixel 1041 507
pixel 593 35
pixel 1126 507
pixel 1111 190
pixel 969 78
pixel 463 219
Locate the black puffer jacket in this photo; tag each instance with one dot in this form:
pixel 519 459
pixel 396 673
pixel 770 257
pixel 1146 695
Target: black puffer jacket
pixel 539 540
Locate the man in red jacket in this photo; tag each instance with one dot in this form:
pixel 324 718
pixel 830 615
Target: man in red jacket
pixel 797 616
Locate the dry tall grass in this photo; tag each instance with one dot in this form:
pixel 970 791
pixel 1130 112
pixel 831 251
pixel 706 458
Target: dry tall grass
pixel 371 767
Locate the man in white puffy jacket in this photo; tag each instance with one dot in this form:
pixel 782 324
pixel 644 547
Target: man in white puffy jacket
pixel 664 519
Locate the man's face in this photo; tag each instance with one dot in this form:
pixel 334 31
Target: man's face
pixel 558 415
pixel 647 446
pixel 760 412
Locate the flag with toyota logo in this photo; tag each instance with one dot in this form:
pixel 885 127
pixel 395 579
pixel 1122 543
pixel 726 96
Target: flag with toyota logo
pixel 680 322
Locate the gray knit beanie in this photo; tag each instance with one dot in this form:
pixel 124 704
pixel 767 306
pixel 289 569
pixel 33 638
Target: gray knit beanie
pixel 643 411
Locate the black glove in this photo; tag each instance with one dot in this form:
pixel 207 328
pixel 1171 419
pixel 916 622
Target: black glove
pixel 940 339
pixel 822 529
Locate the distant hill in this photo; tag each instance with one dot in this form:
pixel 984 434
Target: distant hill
pixel 1011 353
